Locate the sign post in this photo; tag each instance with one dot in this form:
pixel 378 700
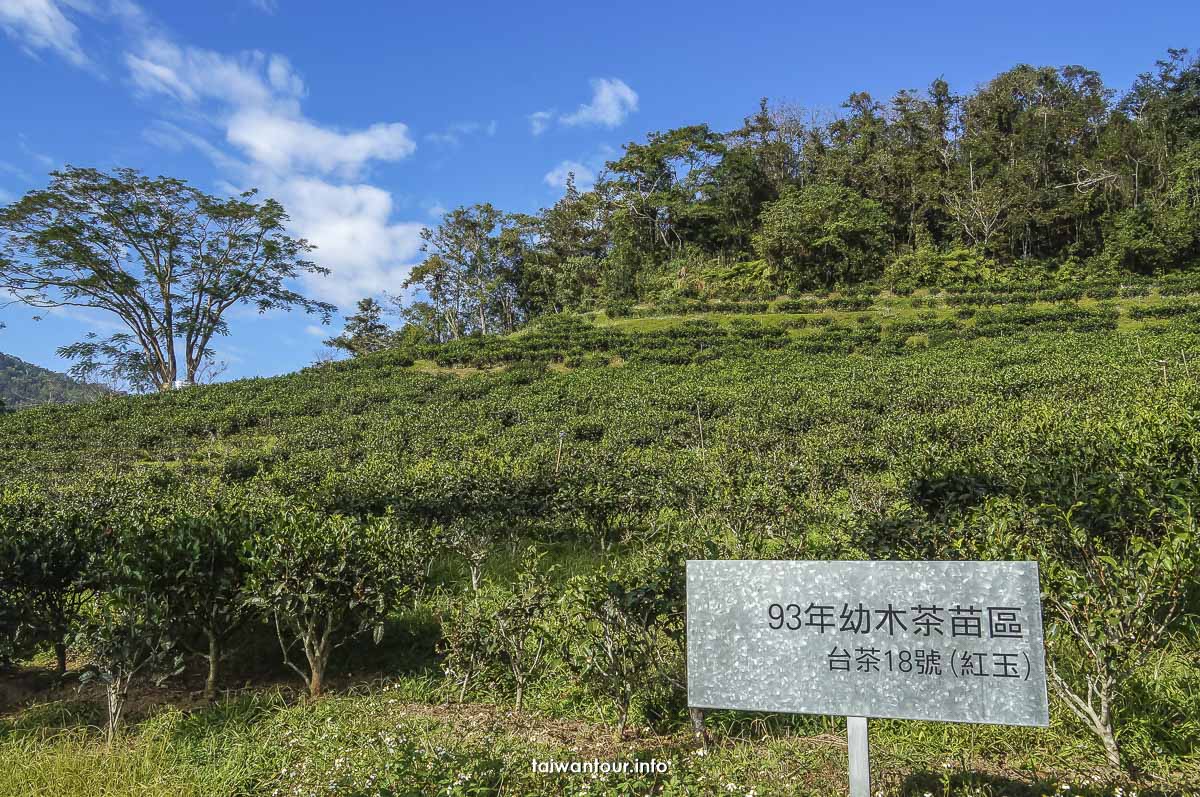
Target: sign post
pixel 860 756
pixel 944 641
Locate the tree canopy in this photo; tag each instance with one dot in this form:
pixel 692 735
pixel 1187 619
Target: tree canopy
pixel 165 258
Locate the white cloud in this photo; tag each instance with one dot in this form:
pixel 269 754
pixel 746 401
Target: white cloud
pixel 254 99
pixel 317 332
pixel 286 143
pixel 41 25
pixel 539 121
pixel 612 101
pixel 314 170
pixel 190 74
pixel 265 6
pixel 557 177
pixel 356 237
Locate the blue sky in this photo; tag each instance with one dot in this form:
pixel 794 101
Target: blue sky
pixel 368 119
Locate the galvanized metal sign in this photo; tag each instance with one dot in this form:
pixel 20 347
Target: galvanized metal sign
pixel 951 641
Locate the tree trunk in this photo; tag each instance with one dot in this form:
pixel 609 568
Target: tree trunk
pixel 116 705
pixel 60 653
pixel 1112 750
pixel 315 679
pixel 622 720
pixel 214 663
pixel 520 696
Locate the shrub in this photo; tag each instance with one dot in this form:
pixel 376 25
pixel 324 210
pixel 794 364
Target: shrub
pixel 321 579
pixel 1110 606
pixel 47 551
pixel 927 267
pixel 626 627
pixel 822 234
pixel 202 551
pixel 619 309
pixel 130 628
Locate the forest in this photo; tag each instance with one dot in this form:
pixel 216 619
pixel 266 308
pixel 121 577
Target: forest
pixel 24 385
pixel 948 327
pixel 1041 173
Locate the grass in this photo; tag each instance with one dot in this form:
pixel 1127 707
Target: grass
pixel 400 738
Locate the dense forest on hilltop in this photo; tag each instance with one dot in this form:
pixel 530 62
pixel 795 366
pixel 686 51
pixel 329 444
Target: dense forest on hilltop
pixel 1040 173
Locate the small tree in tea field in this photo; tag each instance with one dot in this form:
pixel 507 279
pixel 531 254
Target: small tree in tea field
pixel 204 552
pixel 469 643
pixel 46 554
pixel 1109 609
pixel 322 579
pixel 626 628
pixel 129 629
pixel 520 634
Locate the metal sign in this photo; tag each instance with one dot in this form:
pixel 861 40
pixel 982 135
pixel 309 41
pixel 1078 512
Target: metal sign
pixel 950 641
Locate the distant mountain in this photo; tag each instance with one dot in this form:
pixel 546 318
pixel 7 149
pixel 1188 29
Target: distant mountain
pixel 25 385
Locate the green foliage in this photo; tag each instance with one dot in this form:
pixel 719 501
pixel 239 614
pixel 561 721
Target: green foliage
pixel 927 267
pixel 365 332
pixel 25 385
pixel 822 235
pixel 130 628
pixel 48 554
pixel 1111 604
pixel 202 551
pixel 321 579
pixel 625 628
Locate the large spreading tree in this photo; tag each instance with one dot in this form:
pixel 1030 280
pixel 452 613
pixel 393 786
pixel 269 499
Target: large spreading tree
pixel 168 260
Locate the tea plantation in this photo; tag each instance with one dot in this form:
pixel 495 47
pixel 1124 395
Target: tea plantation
pixel 418 571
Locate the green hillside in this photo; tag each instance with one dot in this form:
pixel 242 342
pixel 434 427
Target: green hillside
pixel 961 425
pixel 25 385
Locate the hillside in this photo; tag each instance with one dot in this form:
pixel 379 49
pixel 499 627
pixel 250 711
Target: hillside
pixel 957 425
pixel 23 385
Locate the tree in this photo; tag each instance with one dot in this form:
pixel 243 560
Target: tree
pixel 168 260
pixel 518 627
pixel 467 276
pixel 129 629
pixel 1109 608
pixel 322 579
pixel 365 332
pixel 822 234
pixel 203 551
pixel 47 552
pixel 627 627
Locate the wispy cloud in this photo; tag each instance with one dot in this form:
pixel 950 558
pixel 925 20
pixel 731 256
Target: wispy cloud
pixel 38 25
pixel 265 6
pixel 244 111
pixel 585 170
pixel 317 171
pixel 539 121
pixel 453 135
pixel 557 177
pixel 612 102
